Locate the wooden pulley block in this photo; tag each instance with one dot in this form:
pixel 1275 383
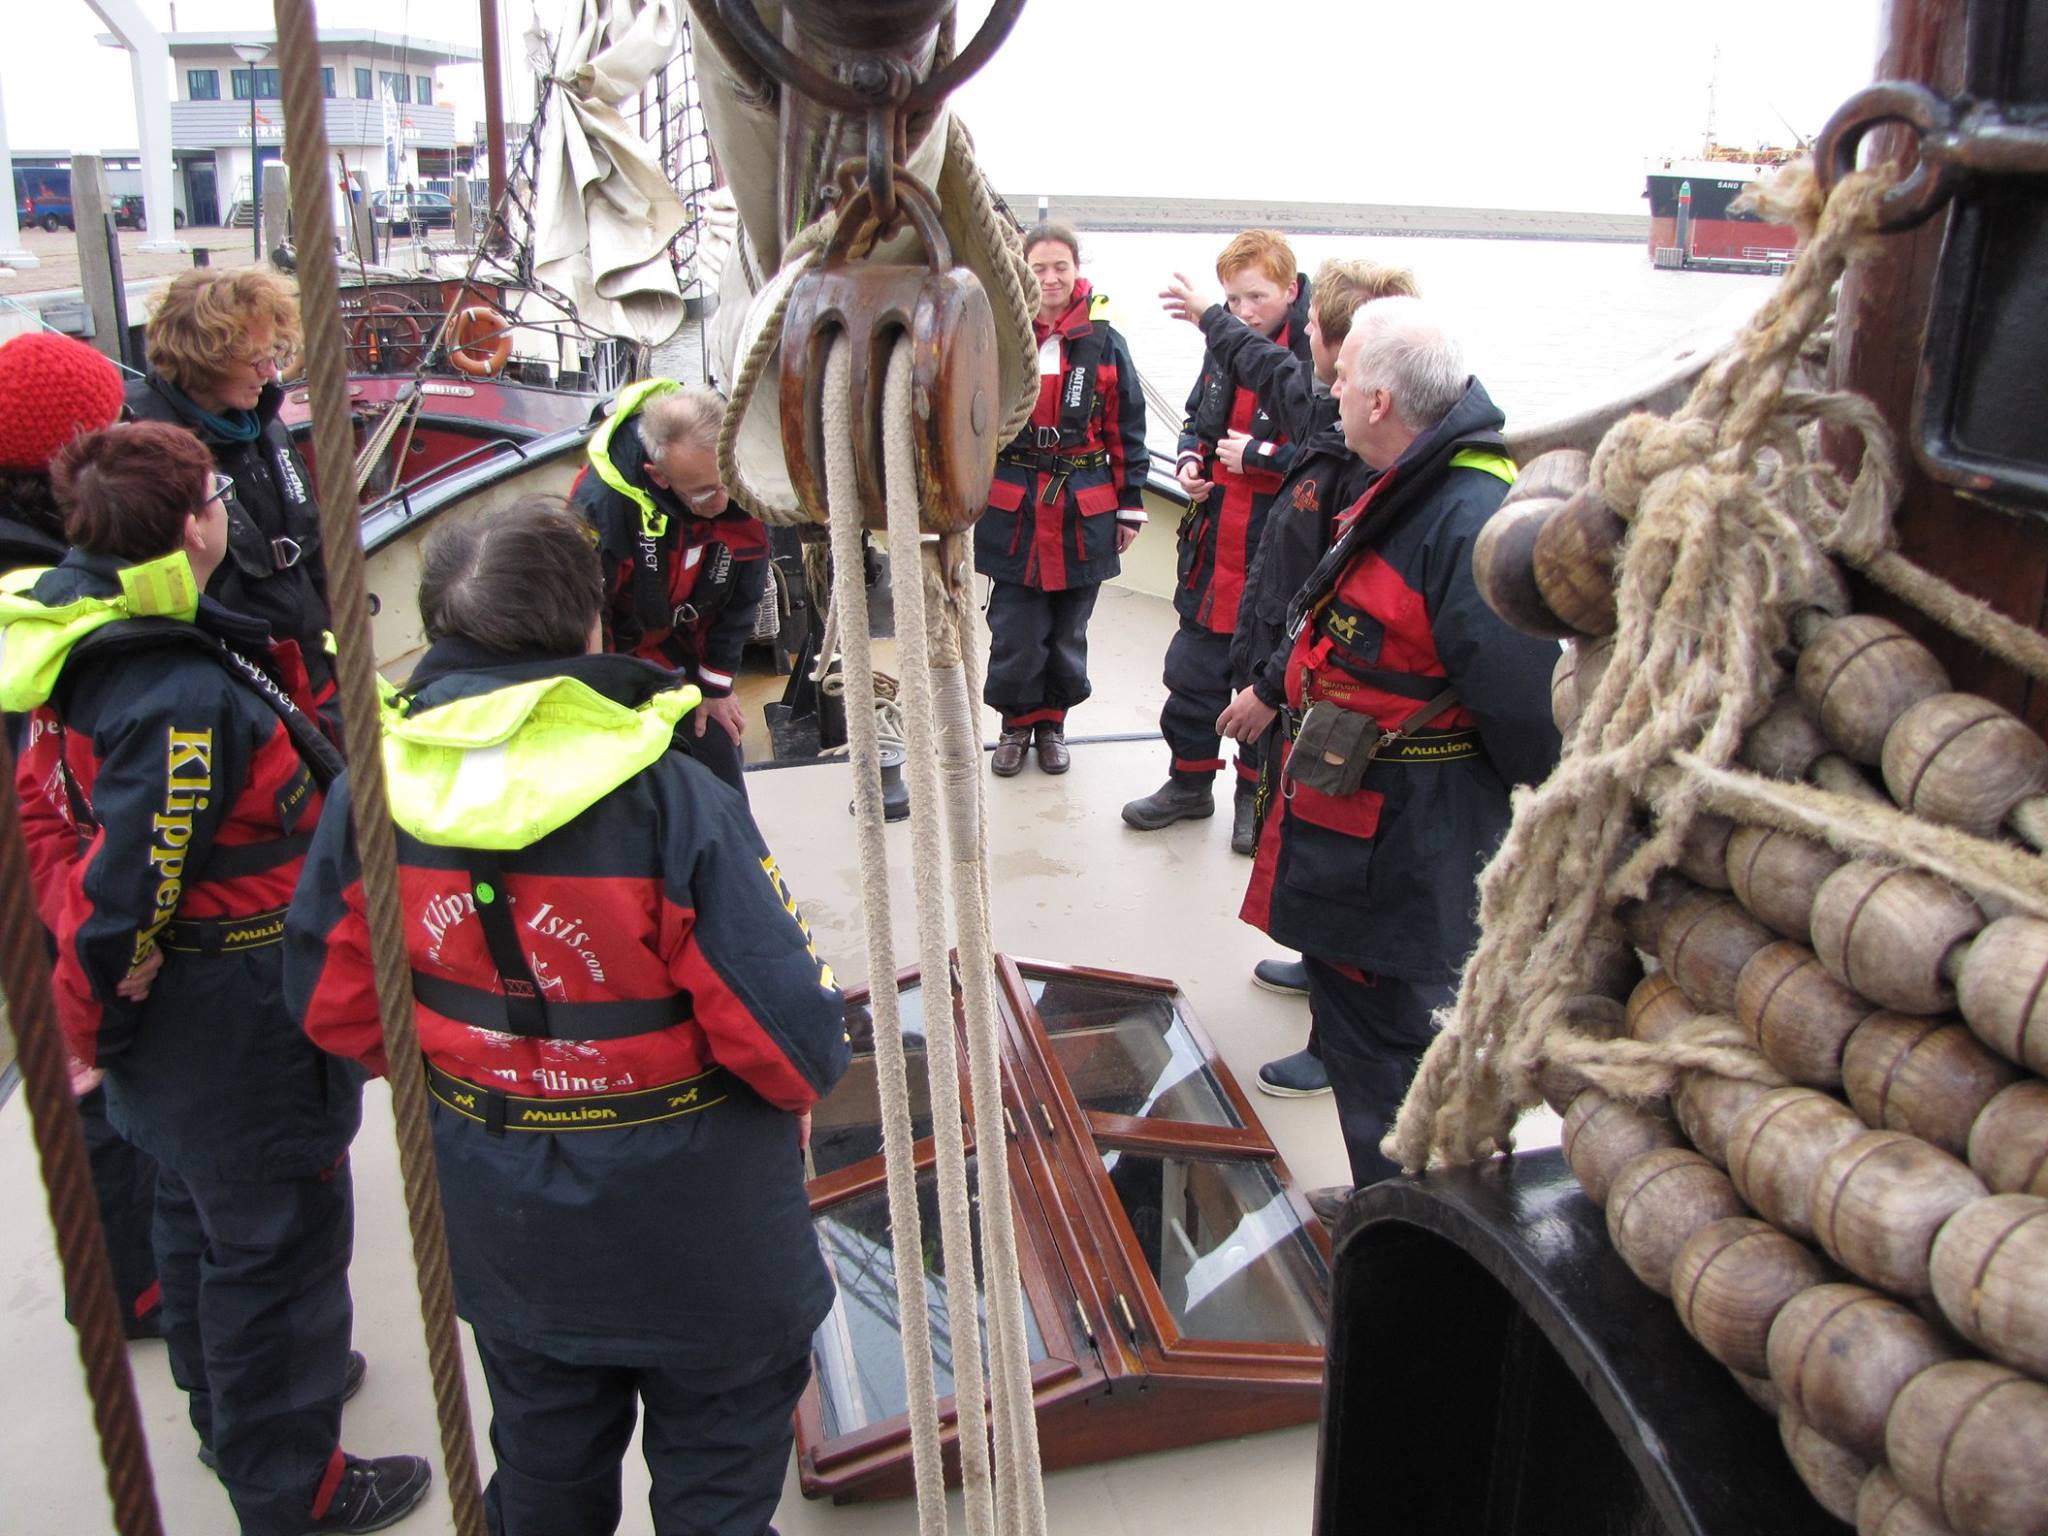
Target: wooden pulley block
pixel 1642 922
pixel 1839 1354
pixel 1504 567
pixel 956 399
pixel 1777 1145
pixel 1925 1077
pixel 1657 1202
pixel 1564 693
pixel 1786 744
pixel 1967 762
pixel 1991 1278
pixel 1554 476
pixel 1705 944
pixel 2001 990
pixel 1657 1007
pixel 1964 1439
pixel 1895 935
pixel 1596 1018
pixel 1858 674
pixel 1729 1282
pixel 2009 1141
pixel 1879 1199
pixel 1703 855
pixel 1882 1509
pixel 1707 1105
pixel 1603 1135
pixel 1776 875
pixel 1799 1015
pixel 1832 1473
pixel 1575 554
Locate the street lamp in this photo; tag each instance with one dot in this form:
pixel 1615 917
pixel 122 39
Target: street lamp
pixel 249 53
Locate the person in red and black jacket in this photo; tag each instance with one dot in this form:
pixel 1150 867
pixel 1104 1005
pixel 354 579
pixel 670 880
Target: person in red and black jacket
pixel 1233 456
pixel 1376 886
pixel 1068 498
pixel 184 758
pixel 600 945
pixel 685 568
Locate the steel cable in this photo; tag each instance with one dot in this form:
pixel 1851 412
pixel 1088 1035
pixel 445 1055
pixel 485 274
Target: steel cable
pixel 376 843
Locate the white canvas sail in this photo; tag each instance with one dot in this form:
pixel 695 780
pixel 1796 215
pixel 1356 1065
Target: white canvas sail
pixel 604 212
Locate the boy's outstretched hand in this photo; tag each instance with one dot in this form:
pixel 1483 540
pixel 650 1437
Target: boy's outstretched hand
pixel 1182 300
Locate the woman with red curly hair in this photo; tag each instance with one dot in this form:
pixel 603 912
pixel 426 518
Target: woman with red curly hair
pixel 217 343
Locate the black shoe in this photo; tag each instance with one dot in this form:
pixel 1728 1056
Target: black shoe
pixel 1175 800
pixel 1241 819
pixel 1300 1076
pixel 352 1376
pixel 1007 761
pixel 1328 1203
pixel 375 1492
pixel 1286 976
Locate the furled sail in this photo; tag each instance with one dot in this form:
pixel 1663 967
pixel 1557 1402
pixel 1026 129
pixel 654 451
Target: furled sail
pixel 604 213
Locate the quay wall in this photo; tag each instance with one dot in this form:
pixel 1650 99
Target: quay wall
pixel 1304 218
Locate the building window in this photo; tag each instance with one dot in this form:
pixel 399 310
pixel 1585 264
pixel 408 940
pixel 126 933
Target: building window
pixel 363 85
pixel 266 84
pixel 327 83
pixel 426 85
pixel 202 85
pixel 399 86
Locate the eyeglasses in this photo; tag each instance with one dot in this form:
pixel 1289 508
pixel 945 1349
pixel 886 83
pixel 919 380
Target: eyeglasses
pixel 219 488
pixel 275 358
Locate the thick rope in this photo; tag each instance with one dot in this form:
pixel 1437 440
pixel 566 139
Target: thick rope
pixel 906 1238
pixel 1714 566
pixel 67 1181
pixel 376 845
pixel 1016 295
pixel 926 644
pixel 802 253
pixel 947 745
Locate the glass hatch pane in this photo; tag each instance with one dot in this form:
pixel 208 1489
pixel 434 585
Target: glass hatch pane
pixel 858 1349
pixel 1126 1051
pixel 846 1126
pixel 1225 1247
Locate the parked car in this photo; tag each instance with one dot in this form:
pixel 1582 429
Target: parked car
pixel 129 213
pixel 42 196
pixel 402 215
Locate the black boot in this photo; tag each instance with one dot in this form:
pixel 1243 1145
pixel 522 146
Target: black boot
pixel 1180 798
pixel 1241 818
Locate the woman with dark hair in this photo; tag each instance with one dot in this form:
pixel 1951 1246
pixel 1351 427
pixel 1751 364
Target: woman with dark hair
pixel 600 945
pixel 174 749
pixel 217 343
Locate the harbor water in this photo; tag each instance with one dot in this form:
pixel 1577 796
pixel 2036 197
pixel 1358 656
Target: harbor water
pixel 1547 325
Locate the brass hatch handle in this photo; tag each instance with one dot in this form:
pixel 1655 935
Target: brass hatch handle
pixel 1087 1328
pixel 1009 1122
pixel 1130 1322
pixel 1045 1119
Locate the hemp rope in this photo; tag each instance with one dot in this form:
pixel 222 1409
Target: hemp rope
pixel 1732 516
pixel 906 1239
pixel 355 665
pixel 1713 569
pixel 67 1182
pixel 939 708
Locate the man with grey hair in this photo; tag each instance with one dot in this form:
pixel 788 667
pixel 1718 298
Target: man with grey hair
pixel 684 567
pixel 1412 709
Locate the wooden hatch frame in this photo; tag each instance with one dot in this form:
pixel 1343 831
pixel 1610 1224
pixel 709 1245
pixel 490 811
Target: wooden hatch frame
pixel 1118 1377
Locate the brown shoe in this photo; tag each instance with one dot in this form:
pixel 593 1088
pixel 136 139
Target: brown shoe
pixel 1007 761
pixel 1053 756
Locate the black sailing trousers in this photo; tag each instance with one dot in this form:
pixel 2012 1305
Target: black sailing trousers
pixel 717 1442
pixel 1371 1032
pixel 1037 652
pixel 256 1313
pixel 1197 679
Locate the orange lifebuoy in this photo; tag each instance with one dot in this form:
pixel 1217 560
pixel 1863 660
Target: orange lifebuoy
pixel 480 341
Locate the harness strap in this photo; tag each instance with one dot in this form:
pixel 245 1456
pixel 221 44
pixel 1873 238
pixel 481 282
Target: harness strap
pixel 612 1020
pixel 500 1112
pixel 520 1008
pixel 223 935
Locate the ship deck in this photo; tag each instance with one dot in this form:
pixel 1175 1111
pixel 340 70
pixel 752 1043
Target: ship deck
pixel 1071 883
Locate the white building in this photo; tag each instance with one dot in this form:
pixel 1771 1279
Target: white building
pixel 212 92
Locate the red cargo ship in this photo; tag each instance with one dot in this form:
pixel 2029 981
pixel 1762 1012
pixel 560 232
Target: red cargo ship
pixel 1691 225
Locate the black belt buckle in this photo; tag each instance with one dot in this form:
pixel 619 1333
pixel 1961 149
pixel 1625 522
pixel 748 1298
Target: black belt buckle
pixel 1046 437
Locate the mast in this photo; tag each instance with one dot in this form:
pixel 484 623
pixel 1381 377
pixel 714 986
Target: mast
pixel 494 114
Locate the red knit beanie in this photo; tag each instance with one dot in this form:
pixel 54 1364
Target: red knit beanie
pixel 52 389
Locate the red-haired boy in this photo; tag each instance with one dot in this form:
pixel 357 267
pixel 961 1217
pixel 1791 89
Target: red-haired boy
pixel 1232 458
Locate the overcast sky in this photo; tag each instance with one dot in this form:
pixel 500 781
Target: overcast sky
pixel 1489 103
